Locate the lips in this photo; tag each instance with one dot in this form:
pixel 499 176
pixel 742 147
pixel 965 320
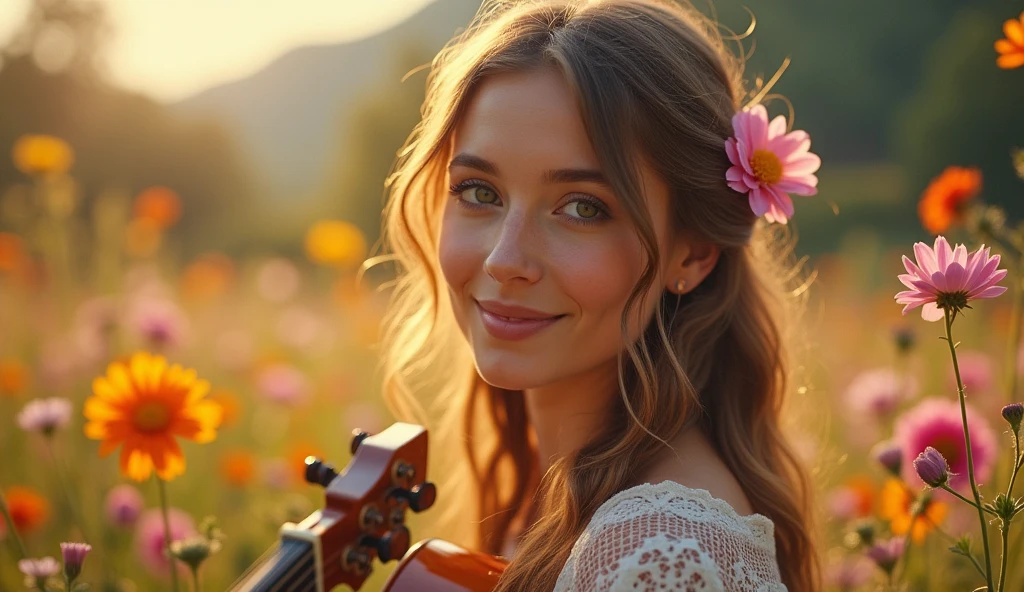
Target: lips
pixel 513 323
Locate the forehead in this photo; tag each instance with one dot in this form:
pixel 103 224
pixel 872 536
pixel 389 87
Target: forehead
pixel 532 116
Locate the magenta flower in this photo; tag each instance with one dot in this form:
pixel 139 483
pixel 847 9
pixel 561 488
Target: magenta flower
pixel 123 506
pixel 73 555
pixel 945 277
pixel 889 455
pixel 878 392
pixel 936 423
pixel 149 538
pixel 769 164
pixel 45 415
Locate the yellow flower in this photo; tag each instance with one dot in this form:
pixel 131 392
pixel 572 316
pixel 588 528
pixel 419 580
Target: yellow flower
pixel 897 506
pixel 38 154
pixel 335 243
pixel 143 404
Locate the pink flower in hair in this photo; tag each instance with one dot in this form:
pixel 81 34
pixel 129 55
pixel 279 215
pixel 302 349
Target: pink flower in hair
pixel 769 164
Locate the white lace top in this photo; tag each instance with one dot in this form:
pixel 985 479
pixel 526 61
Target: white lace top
pixel 670 537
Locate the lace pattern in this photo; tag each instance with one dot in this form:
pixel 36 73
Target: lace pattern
pixel 671 537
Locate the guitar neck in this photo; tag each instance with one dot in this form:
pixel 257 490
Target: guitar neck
pixel 288 567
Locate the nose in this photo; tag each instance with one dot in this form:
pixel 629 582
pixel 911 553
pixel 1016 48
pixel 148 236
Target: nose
pixel 513 255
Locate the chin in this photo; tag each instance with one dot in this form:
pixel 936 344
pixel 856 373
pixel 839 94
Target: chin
pixel 508 371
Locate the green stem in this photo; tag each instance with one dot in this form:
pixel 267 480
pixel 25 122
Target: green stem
pixel 167 532
pixel 964 499
pixel 1016 463
pixel 195 579
pixel 1005 528
pixel 967 444
pixel 10 527
pixel 64 487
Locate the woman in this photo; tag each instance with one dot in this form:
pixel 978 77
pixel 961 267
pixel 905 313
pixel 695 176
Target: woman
pixel 586 288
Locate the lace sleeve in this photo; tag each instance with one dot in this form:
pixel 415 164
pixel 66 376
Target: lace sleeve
pixel 668 537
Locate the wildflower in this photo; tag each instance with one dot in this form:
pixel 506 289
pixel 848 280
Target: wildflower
pixel 45 415
pixel 143 404
pixel 39 568
pixel 123 505
pixel 29 510
pixel 976 372
pixel 885 554
pixel 932 468
pixel 159 205
pixel 769 164
pixel 947 278
pixel 193 550
pixel 937 423
pixel 898 505
pixel 335 243
pixel 237 467
pixel 149 537
pixel 73 555
pixel 283 383
pixel 878 392
pixel 889 455
pixel 1011 49
pixel 13 377
pixel 36 154
pixel 12 253
pixel 159 322
pixel 1013 414
pixel 945 200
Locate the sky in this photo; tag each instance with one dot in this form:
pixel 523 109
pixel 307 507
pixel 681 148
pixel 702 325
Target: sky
pixel 169 49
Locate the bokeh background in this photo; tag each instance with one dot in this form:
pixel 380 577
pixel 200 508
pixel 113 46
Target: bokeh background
pixel 227 179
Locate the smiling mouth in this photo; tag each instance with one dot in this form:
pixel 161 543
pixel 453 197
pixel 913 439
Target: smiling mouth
pixel 513 328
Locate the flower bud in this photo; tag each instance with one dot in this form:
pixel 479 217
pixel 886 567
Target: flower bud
pixel 73 555
pixel 886 553
pixel 904 338
pixel 1013 414
pixel 889 455
pixel 931 467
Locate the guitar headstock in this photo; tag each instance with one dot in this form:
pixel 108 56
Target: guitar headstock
pixel 365 507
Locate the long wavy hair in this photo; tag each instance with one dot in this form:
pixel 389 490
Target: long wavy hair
pixel 654 81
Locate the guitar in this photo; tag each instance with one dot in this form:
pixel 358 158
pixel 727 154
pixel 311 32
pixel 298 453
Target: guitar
pixel 364 519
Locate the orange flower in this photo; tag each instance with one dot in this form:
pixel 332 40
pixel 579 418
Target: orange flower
pixel 40 154
pixel 944 201
pixel 144 404
pixel 863 489
pixel 12 252
pixel 207 277
pixel 1011 49
pixel 29 510
pixel 13 377
pixel 159 205
pixel 238 468
pixel 897 506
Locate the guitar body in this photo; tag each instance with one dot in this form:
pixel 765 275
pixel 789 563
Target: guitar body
pixel 434 565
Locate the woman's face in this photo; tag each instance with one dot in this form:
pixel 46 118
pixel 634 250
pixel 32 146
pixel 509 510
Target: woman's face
pixel 538 253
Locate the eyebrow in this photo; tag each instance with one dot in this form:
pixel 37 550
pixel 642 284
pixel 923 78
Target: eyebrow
pixel 552 176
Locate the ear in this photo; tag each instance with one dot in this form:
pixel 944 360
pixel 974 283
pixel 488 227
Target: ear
pixel 691 261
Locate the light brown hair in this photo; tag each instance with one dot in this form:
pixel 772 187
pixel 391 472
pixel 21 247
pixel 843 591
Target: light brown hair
pixel 654 77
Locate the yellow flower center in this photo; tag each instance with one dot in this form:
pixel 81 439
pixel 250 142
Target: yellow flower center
pixel 767 167
pixel 152 416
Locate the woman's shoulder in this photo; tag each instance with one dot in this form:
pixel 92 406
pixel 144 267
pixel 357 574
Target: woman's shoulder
pixel 668 533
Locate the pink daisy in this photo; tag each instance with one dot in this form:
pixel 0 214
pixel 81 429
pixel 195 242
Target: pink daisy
pixel 937 423
pixel 769 164
pixel 945 277
pixel 149 538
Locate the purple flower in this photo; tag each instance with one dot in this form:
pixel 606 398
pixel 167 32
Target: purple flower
pixel 945 277
pixel 123 505
pixel 73 555
pixel 1013 414
pixel 889 455
pixel 931 467
pixel 39 568
pixel 878 392
pixel 937 423
pixel 45 415
pixel 885 554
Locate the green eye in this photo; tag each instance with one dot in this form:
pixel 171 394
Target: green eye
pixel 485 195
pixel 586 210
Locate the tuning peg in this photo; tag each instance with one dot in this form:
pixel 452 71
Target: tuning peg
pixel 393 545
pixel 420 497
pixel 357 438
pixel 319 473
pixel 355 560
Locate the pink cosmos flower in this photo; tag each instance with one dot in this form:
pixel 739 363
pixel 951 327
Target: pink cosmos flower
pixel 945 277
pixel 149 538
pixel 937 423
pixel 45 415
pixel 877 392
pixel 123 505
pixel 769 164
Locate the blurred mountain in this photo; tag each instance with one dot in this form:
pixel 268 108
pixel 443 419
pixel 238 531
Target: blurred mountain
pixel 290 115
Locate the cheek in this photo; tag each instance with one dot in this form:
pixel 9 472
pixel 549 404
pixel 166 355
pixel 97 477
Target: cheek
pixel 599 279
pixel 459 255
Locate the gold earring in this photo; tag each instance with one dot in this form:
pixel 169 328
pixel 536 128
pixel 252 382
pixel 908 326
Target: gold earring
pixel 680 285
